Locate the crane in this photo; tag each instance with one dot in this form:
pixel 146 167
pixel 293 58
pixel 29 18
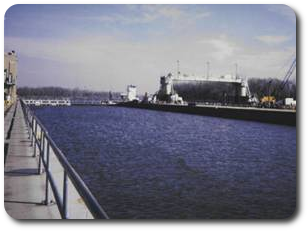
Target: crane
pixel 270 100
pixel 288 75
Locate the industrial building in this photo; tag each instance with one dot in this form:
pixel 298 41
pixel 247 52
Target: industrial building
pixel 10 77
pixel 223 89
pixel 131 94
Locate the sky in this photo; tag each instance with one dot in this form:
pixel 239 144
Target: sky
pixel 107 47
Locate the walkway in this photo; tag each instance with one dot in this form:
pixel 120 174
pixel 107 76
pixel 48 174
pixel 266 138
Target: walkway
pixel 24 189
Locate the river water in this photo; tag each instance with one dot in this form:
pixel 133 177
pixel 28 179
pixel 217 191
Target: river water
pixel 152 164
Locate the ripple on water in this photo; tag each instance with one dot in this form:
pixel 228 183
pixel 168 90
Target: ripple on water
pixel 150 164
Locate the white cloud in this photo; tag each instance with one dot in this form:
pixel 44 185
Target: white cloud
pixel 202 15
pixel 150 13
pixel 221 47
pixel 103 63
pixel 265 62
pixel 273 39
pixel 169 12
pixel 114 55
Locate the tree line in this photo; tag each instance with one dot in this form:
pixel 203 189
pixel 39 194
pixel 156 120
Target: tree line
pixel 59 92
pixel 273 87
pixel 258 88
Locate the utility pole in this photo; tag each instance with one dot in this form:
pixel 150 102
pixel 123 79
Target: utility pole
pixel 269 92
pixel 236 70
pixel 208 69
pixel 178 68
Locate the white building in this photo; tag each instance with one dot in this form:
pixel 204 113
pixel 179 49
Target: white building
pixel 131 92
pixel 175 98
pixel 289 102
pixel 166 84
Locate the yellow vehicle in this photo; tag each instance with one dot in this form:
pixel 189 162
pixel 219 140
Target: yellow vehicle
pixel 268 99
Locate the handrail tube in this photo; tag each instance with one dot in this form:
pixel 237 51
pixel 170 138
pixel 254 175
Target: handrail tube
pixel 94 207
pixel 40 123
pixel 55 190
pixel 79 184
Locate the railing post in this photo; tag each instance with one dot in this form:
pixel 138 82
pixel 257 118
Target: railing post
pixel 35 139
pixel 26 117
pixel 32 124
pixel 47 172
pixel 65 184
pixel 28 123
pixel 41 151
pixel 46 145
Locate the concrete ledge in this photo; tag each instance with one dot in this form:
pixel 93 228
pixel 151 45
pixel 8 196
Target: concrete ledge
pixel 275 116
pixel 24 187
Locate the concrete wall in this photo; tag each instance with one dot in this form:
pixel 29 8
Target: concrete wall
pixel 275 116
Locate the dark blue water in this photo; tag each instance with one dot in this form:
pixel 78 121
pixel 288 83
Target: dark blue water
pixel 150 164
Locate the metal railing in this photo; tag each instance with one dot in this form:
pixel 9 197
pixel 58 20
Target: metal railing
pixel 41 140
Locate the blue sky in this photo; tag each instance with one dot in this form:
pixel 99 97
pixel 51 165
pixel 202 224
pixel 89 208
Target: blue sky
pixel 104 47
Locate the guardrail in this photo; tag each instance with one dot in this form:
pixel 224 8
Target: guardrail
pixel 41 140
